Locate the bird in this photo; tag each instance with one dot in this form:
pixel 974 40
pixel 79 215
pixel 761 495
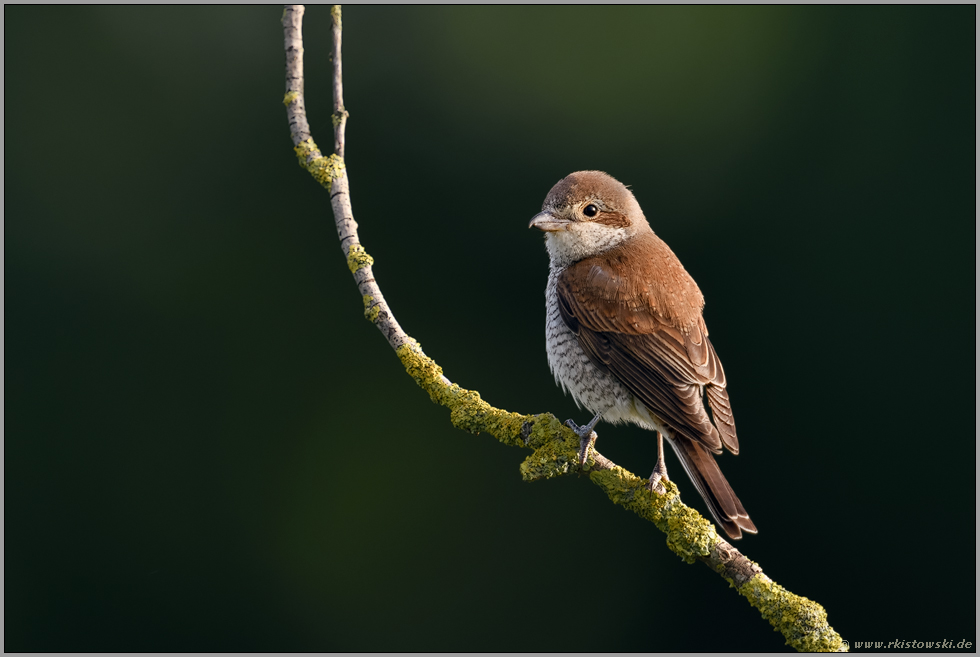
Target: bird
pixel 625 335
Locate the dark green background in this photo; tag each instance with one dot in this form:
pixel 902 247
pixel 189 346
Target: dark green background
pixel 208 448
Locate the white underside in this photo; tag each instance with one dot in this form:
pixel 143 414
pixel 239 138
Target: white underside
pixel 590 387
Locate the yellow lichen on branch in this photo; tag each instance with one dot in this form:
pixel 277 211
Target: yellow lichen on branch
pixel 802 621
pixel 689 534
pixel 371 308
pixel 467 410
pixel 555 450
pixel 358 258
pixel 323 169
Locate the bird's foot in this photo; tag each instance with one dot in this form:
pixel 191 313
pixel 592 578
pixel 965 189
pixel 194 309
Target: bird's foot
pixel 659 474
pixel 586 437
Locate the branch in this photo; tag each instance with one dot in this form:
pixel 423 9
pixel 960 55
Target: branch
pixel 692 537
pixel 331 171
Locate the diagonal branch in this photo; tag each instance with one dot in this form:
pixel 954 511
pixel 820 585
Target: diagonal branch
pixel 802 622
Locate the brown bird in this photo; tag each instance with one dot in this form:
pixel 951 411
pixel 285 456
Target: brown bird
pixel 626 337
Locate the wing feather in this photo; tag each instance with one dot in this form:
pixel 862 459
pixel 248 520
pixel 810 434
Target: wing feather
pixel 651 340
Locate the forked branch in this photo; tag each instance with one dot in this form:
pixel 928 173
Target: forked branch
pixel 693 538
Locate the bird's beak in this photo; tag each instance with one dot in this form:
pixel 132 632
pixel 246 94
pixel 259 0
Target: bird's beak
pixel 547 222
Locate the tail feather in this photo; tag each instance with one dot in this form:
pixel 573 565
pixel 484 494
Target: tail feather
pixel 701 467
pixel 721 409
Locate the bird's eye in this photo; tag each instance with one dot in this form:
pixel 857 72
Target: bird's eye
pixel 590 210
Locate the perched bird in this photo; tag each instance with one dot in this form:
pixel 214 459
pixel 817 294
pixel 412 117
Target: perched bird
pixel 626 337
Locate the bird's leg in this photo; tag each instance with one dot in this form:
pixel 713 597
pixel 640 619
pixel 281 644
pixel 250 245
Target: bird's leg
pixel 660 470
pixel 586 437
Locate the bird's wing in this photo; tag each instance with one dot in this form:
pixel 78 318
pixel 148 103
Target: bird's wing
pixel 633 329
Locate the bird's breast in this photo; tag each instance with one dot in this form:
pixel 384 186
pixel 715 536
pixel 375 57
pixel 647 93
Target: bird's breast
pixel 591 387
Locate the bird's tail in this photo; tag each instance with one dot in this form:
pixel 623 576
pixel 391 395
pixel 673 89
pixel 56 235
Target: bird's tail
pixel 711 483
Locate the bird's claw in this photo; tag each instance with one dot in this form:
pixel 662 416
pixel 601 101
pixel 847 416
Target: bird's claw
pixel 656 484
pixel 659 475
pixel 586 437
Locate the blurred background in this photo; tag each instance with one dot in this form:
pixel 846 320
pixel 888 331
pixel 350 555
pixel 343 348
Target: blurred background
pixel 209 449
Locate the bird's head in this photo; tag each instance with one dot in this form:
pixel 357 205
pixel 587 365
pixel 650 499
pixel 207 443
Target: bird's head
pixel 586 213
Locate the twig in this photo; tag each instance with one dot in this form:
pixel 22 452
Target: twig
pixel 802 622
pixel 331 171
